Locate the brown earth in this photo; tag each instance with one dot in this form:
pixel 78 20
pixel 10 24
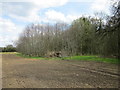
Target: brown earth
pixel 18 72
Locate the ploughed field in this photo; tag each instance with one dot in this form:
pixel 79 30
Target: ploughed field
pixel 20 72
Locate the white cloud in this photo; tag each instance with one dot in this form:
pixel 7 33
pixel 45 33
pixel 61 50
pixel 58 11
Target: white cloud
pixel 32 17
pixel 27 11
pixel 54 16
pixel 48 3
pixel 17 8
pixel 21 11
pixel 100 6
pixel 8 31
pixel 6 25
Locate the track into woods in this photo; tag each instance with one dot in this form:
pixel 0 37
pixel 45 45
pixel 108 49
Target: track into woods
pixel 19 72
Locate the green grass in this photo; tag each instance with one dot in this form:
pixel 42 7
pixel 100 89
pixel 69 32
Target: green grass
pixel 94 58
pixel 86 57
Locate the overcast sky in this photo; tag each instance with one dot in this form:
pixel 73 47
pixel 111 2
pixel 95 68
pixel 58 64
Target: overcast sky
pixel 16 14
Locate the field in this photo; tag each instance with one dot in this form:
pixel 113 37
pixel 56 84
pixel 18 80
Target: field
pixel 21 72
pixel 60 44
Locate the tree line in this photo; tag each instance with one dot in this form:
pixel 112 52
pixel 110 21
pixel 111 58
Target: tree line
pixel 85 35
pixel 8 48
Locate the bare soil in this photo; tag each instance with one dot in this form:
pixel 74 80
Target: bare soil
pixel 19 72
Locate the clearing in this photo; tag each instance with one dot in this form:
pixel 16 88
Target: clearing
pixel 20 72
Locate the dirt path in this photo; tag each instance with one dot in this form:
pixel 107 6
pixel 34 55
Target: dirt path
pixel 18 72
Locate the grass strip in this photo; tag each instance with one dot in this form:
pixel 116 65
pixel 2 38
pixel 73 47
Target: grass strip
pixel 84 57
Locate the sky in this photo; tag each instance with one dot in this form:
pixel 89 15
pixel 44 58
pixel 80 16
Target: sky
pixel 16 14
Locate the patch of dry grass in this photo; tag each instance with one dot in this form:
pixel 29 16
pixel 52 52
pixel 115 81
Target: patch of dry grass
pixel 8 52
